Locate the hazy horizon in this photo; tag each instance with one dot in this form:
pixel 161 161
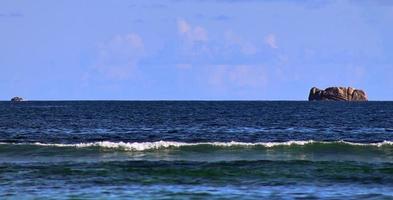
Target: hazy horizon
pixel 194 49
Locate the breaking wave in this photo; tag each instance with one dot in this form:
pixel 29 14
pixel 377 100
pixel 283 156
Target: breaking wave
pixel 145 146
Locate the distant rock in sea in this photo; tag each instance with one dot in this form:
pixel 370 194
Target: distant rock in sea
pixel 16 99
pixel 337 94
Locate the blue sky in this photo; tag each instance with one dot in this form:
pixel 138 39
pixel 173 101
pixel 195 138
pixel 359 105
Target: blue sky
pixel 194 49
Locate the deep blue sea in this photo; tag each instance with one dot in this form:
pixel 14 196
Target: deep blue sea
pixel 196 150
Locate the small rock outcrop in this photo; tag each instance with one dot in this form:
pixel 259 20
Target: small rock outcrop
pixel 337 94
pixel 16 99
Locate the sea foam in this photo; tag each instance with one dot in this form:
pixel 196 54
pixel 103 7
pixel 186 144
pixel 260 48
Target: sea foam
pixel 143 146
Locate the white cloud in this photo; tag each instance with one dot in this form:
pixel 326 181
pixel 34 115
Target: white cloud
pixel 190 33
pixel 237 76
pixel 132 39
pixel 128 42
pixel 195 42
pixel 118 58
pixel 271 41
pixel 246 47
pixel 183 26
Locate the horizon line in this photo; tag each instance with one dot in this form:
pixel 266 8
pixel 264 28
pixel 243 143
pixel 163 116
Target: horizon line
pixel 37 100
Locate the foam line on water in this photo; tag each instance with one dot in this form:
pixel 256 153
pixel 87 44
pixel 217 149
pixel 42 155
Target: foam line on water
pixel 142 146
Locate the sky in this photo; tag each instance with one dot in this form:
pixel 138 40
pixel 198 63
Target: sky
pixel 194 49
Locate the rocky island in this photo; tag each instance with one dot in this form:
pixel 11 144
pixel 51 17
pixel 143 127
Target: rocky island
pixel 16 99
pixel 337 94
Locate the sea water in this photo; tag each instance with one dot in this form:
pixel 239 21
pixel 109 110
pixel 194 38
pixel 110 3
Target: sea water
pixel 196 150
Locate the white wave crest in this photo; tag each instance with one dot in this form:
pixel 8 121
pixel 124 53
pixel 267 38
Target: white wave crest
pixel 143 146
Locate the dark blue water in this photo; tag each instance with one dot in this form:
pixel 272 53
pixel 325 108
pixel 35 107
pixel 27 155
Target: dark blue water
pixel 192 149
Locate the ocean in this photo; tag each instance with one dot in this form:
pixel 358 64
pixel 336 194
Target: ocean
pixel 196 150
